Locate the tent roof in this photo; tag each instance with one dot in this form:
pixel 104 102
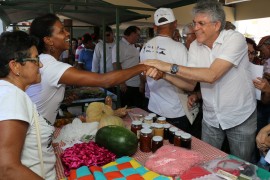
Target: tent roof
pixel 88 11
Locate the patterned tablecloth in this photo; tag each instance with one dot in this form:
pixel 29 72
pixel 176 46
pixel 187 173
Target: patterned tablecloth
pixel 207 150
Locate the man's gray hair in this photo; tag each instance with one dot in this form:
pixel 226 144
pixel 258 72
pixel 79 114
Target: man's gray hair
pixel 187 29
pixel 213 8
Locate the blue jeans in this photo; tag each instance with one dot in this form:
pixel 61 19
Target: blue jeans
pixel 241 138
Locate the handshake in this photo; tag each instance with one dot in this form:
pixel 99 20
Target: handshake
pixel 156 69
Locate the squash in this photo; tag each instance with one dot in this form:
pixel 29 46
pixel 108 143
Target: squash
pixel 97 110
pixel 117 139
pixel 111 120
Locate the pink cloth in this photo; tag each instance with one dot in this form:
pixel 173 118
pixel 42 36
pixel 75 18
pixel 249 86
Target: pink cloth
pixel 173 161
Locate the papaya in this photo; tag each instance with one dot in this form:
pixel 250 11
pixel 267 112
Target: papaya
pixel 117 139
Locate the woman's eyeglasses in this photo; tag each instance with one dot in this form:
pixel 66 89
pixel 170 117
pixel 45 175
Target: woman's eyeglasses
pixel 36 60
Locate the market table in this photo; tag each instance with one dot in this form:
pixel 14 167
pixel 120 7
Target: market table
pixel 209 152
pixel 85 95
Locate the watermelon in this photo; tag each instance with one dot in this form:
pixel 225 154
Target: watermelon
pixel 117 139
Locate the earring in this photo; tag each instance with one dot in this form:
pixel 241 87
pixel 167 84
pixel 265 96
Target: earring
pixel 18 74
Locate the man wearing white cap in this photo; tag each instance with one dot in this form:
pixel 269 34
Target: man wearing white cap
pixel 164 97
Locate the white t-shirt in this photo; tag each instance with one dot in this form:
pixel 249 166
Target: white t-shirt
pixel 15 104
pixel 164 99
pixel 98 62
pixel 48 94
pixel 128 57
pixel 230 100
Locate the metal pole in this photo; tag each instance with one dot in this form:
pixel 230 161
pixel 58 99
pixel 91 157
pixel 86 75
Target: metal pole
pixel 104 50
pixel 117 55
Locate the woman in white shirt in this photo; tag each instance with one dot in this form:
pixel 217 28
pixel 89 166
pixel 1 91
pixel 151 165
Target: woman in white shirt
pixel 26 151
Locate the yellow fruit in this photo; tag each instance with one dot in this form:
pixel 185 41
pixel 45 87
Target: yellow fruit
pixel 97 110
pixel 111 120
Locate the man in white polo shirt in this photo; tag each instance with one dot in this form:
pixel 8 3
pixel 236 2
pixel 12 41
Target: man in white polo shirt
pixel 129 57
pixel 165 97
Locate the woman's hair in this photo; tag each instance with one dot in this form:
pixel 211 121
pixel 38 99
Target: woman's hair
pixel 41 27
pixel 14 45
pixel 213 8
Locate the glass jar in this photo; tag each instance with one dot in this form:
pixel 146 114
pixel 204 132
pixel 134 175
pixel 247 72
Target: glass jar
pixel 153 115
pixel 166 131
pixel 177 138
pixel 136 126
pixel 158 130
pixel 148 120
pixel 157 142
pixel 146 126
pixel 161 120
pixel 172 130
pixel 145 140
pixel 186 140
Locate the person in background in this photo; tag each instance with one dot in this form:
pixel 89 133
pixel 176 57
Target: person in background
pixel 164 48
pixel 263 109
pixel 176 35
pixel 74 45
pixel 20 150
pixel 86 55
pixel 263 83
pixel 188 34
pixel 98 61
pixel 218 59
pixel 78 51
pixel 49 93
pixel 229 26
pixel 131 94
pixel 79 41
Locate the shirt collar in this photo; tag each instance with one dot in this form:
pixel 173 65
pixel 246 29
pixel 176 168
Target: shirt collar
pixel 125 41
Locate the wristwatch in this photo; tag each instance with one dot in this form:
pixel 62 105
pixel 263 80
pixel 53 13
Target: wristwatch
pixel 174 68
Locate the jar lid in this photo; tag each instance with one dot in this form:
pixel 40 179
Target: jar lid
pixel 161 118
pixel 136 122
pixel 179 133
pixel 148 118
pixel 145 125
pixel 173 129
pixel 158 125
pixel 166 125
pixel 185 136
pixel 157 138
pixel 146 131
pixel 152 115
pixel 153 124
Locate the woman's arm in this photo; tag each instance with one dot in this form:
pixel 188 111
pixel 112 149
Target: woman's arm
pixel 13 134
pixel 73 76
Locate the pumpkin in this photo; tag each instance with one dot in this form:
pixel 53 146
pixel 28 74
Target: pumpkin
pixel 111 120
pixel 97 110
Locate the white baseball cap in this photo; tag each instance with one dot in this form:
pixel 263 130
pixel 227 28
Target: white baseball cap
pixel 163 16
